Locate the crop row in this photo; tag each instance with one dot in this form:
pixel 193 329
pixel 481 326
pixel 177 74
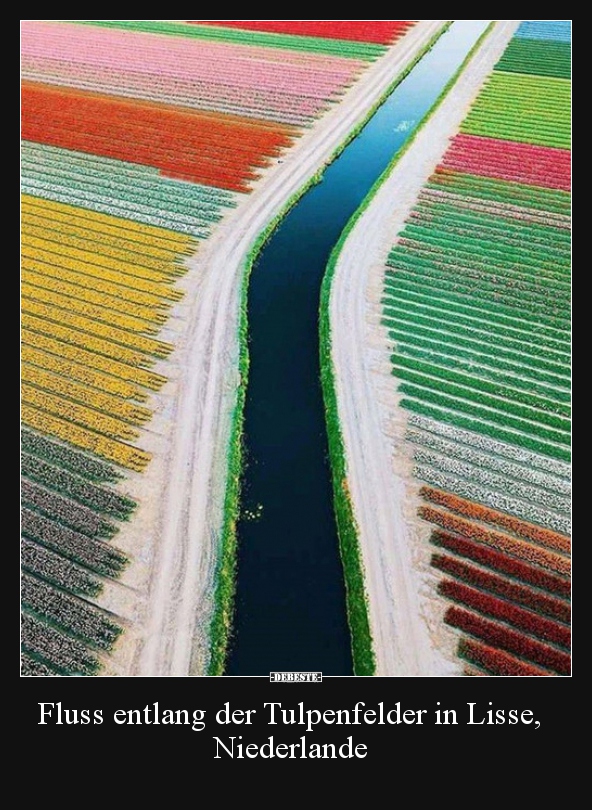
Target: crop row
pixel 204 148
pixel 58 570
pixel 304 44
pixel 509 161
pixel 94 303
pixel 495 662
pixel 102 173
pixel 527 621
pixel 453 283
pixel 483 380
pixel 63 456
pixel 108 359
pixel 502 586
pixel 537 57
pixel 491 195
pixel 456 419
pixel 139 288
pixel 32 667
pixel 434 199
pixel 555 563
pixel 449 219
pixel 103 500
pixel 87 280
pixel 525 386
pixel 60 254
pixel 114 407
pixel 155 197
pixel 81 374
pixel 146 240
pixel 381 32
pixel 503 562
pixel 483 443
pixel 530 109
pixel 61 653
pixel 148 211
pixel 55 294
pixel 468 483
pixel 513 641
pixel 99 557
pixel 480 513
pixel 84 324
pixel 147 178
pixel 466 351
pixel 74 615
pixel 510 471
pixel 113 451
pixel 501 319
pixel 56 405
pixel 65 511
pixel 483 427
pixel 551 30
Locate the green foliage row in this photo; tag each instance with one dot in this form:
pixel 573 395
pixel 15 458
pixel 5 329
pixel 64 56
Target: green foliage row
pixel 336 47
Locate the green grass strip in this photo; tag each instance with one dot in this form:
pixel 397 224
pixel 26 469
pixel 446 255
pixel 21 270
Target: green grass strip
pixel 330 47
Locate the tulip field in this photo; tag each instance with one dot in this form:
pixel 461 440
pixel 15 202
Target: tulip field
pixel 138 139
pixel 477 304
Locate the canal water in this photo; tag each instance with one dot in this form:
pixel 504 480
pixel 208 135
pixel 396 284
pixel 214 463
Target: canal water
pixel 290 602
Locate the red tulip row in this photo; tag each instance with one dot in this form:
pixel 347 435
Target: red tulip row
pixel 496 662
pixel 547 167
pixel 381 32
pixel 524 620
pixel 503 586
pixel 475 511
pixel 209 148
pixel 505 638
pixel 503 563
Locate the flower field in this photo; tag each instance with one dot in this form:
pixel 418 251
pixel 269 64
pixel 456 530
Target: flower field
pixel 477 305
pixel 139 139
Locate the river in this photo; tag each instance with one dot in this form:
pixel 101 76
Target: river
pixel 290 602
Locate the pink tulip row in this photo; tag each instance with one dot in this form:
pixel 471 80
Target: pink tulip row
pixel 147 54
pixel 507 160
pixel 196 95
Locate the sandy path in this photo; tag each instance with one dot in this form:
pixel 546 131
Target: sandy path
pixel 167 594
pixel 405 621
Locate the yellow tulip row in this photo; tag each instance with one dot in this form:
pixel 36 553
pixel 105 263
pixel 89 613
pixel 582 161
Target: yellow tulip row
pixel 79 414
pixel 58 341
pixel 94 296
pixel 118 409
pixel 114 351
pixel 77 306
pixel 145 345
pixel 114 451
pixel 81 374
pixel 94 287
pixel 90 272
pixel 147 236
pixel 82 239
pixel 72 258
pixel 98 284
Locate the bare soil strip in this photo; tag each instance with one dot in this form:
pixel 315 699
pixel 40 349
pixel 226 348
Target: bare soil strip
pixel 405 615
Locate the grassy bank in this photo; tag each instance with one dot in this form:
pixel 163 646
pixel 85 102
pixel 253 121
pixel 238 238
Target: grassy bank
pixel 357 605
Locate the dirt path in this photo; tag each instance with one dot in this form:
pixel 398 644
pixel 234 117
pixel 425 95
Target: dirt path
pixel 167 594
pixel 406 625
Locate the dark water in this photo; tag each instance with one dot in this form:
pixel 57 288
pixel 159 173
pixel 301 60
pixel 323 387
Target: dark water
pixel 290 607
